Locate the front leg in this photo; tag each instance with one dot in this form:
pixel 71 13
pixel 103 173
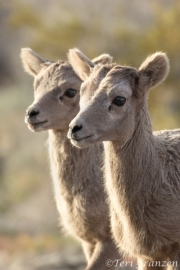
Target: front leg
pixel 88 250
pixel 105 256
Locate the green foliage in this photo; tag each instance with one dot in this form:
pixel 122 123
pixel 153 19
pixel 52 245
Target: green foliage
pixel 47 33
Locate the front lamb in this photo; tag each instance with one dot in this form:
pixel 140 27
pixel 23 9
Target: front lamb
pixel 142 168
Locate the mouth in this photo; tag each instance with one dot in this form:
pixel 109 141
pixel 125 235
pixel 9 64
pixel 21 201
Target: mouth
pixel 34 126
pixel 81 139
pixel 82 142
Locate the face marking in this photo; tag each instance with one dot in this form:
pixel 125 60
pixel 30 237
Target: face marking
pixel 122 88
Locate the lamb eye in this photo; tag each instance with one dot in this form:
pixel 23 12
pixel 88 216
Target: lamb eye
pixel 119 101
pixel 70 93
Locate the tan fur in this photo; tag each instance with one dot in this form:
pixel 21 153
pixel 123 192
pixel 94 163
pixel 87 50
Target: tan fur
pixel 77 174
pixel 142 168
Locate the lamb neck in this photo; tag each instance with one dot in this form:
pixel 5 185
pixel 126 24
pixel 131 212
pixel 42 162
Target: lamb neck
pixel 133 174
pixel 71 167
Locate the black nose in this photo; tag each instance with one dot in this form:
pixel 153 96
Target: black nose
pixel 32 113
pixel 76 128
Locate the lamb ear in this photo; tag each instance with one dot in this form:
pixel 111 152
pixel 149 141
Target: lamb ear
pixel 153 70
pixel 31 61
pixel 103 59
pixel 80 63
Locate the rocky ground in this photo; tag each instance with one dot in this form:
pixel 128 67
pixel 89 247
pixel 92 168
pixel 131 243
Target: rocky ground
pixel 59 260
pixel 71 259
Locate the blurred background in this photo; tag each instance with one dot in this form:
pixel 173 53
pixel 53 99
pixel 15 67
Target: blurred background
pixel 30 237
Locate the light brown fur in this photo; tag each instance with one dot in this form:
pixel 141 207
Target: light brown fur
pixel 76 174
pixel 142 168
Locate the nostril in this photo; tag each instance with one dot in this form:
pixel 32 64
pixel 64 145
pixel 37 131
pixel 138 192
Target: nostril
pixel 76 128
pixel 32 113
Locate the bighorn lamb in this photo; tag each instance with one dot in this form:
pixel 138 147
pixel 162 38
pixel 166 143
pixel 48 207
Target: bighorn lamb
pixel 77 174
pixel 142 168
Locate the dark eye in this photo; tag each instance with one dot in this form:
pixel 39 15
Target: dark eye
pixel 70 93
pixel 119 101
